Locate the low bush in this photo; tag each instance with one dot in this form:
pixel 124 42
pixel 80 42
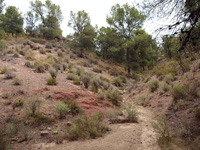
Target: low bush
pixel 97 70
pixel 42 51
pixel 60 54
pixel 86 81
pixel 30 56
pixel 112 114
pixel 53 73
pixel 3 71
pixel 169 78
pixel 85 128
pixel 71 76
pixel 179 92
pixel 17 81
pixel 29 64
pixel 32 106
pixel 119 82
pixel 114 97
pixel 73 106
pixel 165 87
pixel 101 96
pixel 162 128
pixel 95 85
pixel 153 85
pixel 197 113
pixel 132 114
pixel 11 129
pixel 62 110
pixel 18 103
pixel 9 75
pixel 49 46
pixel 52 81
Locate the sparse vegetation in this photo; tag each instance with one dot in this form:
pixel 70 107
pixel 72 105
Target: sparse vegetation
pixel 85 128
pixel 52 81
pixel 17 81
pixel 9 75
pixel 114 97
pixel 3 71
pixel 132 114
pixel 53 72
pixel 153 85
pixel 62 110
pixel 32 106
pixel 86 81
pixel 179 92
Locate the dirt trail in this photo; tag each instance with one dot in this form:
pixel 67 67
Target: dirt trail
pixel 134 136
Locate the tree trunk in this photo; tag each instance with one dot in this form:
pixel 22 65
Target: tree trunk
pixel 127 59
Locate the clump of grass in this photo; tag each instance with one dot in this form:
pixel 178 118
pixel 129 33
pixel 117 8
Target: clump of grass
pixel 85 128
pixel 29 65
pixel 9 75
pixel 162 128
pixel 165 87
pixel 30 56
pixel 60 54
pixel 11 129
pixel 132 114
pixel 52 81
pixel 32 106
pixel 17 81
pixel 49 46
pixel 101 96
pixel 53 72
pixel 179 92
pixel 84 63
pixel 113 72
pixel 18 103
pixel 112 113
pixel 77 81
pixel 62 110
pixel 42 51
pixel 72 76
pixel 95 85
pixel 97 70
pixel 3 71
pixel 114 97
pixel 153 85
pixel 86 81
pixel 119 81
pixel 169 78
pixel 73 106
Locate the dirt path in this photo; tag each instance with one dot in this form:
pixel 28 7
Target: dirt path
pixel 134 136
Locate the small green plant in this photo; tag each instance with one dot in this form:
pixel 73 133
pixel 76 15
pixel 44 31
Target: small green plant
pixel 29 65
pixel 165 87
pixel 17 81
pixel 11 129
pixel 77 81
pixel 114 97
pixel 132 114
pixel 73 106
pixel 32 106
pixel 179 92
pixel 3 71
pixel 62 110
pixel 101 96
pixel 9 75
pixel 97 70
pixel 169 78
pixel 112 113
pixel 162 128
pixel 71 76
pixel 53 72
pixel 118 82
pixel 4 142
pixel 30 56
pixel 18 103
pixel 52 81
pixel 85 128
pixel 95 85
pixel 153 85
pixel 86 81
pixel 42 51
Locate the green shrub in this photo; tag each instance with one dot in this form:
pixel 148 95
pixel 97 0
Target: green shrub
pixel 95 85
pixel 62 110
pixel 118 82
pixel 3 71
pixel 86 81
pixel 11 129
pixel 53 72
pixel 162 128
pixel 18 103
pixel 39 119
pixel 39 68
pixel 73 106
pixel 32 106
pixel 114 97
pixel 179 92
pixel 71 76
pixel 4 142
pixel 29 65
pixel 97 70
pixel 101 96
pixel 132 114
pixel 36 40
pixel 30 56
pixel 42 51
pixel 112 114
pixel 169 78
pixel 2 45
pixel 60 54
pixel 52 81
pixel 49 46
pixel 85 128
pixel 17 81
pixel 2 35
pixel 77 81
pixel 165 87
pixel 9 75
pixel 153 85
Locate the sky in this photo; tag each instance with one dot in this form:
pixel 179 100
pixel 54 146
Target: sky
pixel 97 9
